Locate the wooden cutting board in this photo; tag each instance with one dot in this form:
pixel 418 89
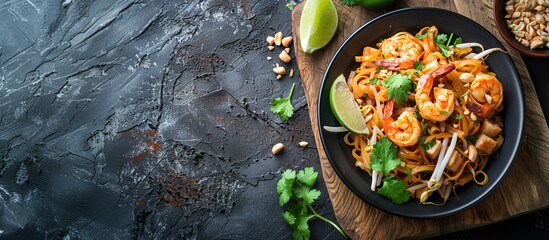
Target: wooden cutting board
pixel 525 189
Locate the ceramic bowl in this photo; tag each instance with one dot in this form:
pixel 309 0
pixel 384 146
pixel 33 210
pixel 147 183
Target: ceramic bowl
pixel 412 20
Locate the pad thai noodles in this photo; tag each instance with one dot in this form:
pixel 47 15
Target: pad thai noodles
pixel 437 102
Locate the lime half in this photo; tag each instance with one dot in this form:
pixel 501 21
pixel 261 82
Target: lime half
pixel 345 109
pixel 318 24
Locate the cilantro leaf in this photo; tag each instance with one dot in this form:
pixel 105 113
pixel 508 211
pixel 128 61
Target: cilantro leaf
pixel 301 230
pixel 443 42
pixel 440 41
pixel 375 81
pixel 441 38
pixel 384 158
pixel 398 87
pixel 300 218
pixel 300 191
pixel 472 138
pixel 444 51
pixel 418 66
pixel 289 217
pixel 291 4
pixel 395 189
pixel 289 174
pixel 422 36
pixel 309 196
pixel 443 112
pixel 283 106
pixel 424 127
pixel 427 145
pixel 457 116
pixel 284 186
pixel 307 176
pixel 457 41
pixel 296 190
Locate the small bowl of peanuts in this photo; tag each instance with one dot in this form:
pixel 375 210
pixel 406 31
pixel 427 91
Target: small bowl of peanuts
pixel 524 24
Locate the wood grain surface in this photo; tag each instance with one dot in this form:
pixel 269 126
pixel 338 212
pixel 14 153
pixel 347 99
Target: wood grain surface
pixel 525 189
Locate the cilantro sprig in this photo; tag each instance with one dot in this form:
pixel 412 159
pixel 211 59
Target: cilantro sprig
pixel 296 190
pixel 398 87
pixel 426 145
pixel 283 106
pixel 385 156
pixel 418 66
pixel 443 42
pixel 395 189
pixel 385 159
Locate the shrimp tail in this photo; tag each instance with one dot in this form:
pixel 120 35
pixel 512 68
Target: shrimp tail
pixel 443 70
pixel 388 109
pixel 388 64
pixel 474 108
pixel 388 116
pixel 423 80
pixel 426 80
pixel 481 110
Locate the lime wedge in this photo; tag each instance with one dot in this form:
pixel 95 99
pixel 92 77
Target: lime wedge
pixel 345 109
pixel 318 24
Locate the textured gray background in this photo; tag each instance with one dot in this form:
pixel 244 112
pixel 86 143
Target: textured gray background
pixel 148 119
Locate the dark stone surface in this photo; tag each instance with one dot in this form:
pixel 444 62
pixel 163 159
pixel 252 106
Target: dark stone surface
pixel 148 120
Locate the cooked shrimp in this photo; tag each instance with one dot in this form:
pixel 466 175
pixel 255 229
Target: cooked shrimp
pixel 443 106
pixel 402 44
pixel 405 131
pixel 395 65
pixel 399 52
pixel 485 95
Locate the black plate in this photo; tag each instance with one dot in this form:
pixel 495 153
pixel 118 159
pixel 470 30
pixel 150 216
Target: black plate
pixel 412 20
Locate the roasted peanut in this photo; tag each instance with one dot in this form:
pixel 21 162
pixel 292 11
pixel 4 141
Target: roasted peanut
pixel 527 20
pixel 278 38
pixel 279 70
pixel 285 57
pixel 270 40
pixel 287 41
pixel 277 148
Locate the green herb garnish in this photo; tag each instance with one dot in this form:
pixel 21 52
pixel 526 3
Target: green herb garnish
pixel 296 190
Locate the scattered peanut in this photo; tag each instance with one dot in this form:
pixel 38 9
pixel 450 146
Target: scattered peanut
pixel 279 70
pixel 285 57
pixel 278 38
pixel 466 77
pixel 277 148
pixel 287 41
pixel 270 40
pixel 303 144
pixel 473 117
pixel 527 20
